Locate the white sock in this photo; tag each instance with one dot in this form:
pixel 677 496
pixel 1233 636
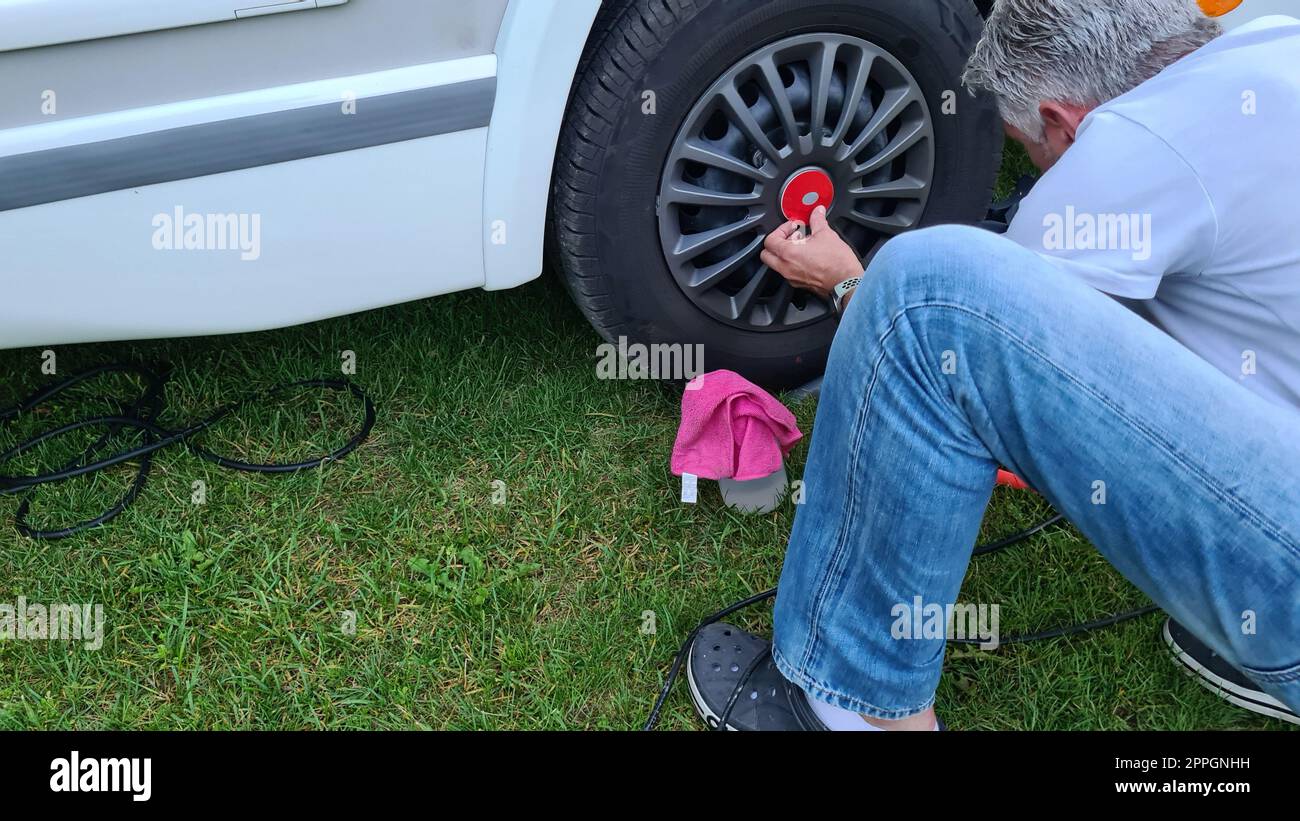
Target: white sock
pixel 839 719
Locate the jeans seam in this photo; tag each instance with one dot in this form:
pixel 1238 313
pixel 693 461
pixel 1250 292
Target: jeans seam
pixel 1284 676
pixel 841 537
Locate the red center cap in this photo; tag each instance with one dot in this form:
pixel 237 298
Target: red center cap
pixel 804 191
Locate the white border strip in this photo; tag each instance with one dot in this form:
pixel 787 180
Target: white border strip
pixel 137 121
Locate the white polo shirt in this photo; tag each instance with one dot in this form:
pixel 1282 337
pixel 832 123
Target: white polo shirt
pixel 1182 197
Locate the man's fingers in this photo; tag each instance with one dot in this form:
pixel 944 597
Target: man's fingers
pixel 789 230
pixel 818 221
pixel 786 233
pixel 771 260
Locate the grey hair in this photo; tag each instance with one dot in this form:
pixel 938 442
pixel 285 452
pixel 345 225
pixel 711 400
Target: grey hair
pixel 1084 52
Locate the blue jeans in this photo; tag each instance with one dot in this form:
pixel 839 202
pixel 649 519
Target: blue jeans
pixel 962 351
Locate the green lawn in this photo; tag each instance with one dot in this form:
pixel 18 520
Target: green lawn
pixel 470 614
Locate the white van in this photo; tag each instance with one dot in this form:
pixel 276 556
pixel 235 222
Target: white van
pixel 188 167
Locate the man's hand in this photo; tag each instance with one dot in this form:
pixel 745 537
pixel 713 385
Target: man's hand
pixel 816 263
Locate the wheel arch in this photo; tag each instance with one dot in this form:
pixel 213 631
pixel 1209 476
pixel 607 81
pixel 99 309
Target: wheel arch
pixel 538 51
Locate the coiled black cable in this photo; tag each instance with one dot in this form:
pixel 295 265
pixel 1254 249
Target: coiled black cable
pixel 142 415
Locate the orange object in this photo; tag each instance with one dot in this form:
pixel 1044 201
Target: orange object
pixel 1009 479
pixel 1218 8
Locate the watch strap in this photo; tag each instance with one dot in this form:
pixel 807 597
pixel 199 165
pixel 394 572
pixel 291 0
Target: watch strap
pixel 842 290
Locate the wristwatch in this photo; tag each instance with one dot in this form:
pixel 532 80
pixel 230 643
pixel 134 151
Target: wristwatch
pixel 842 290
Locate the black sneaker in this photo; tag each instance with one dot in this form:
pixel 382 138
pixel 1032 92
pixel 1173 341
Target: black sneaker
pixel 735 683
pixel 1220 676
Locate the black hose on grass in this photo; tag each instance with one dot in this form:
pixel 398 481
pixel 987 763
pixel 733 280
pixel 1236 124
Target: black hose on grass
pixel 142 415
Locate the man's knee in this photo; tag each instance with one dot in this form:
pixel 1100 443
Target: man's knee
pixel 953 263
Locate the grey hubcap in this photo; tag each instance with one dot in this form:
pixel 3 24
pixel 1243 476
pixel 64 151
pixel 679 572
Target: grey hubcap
pixel 824 101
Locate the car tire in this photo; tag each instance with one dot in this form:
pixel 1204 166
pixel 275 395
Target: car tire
pixel 653 69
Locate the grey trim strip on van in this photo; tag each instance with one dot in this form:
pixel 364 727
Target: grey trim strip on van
pixel 245 142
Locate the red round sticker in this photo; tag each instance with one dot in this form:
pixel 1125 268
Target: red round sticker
pixel 805 191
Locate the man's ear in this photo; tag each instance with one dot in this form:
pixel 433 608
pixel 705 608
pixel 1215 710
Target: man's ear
pixel 1057 121
pixel 1061 122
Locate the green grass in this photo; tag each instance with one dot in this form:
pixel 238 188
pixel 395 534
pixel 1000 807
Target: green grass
pixel 1015 164
pixel 470 614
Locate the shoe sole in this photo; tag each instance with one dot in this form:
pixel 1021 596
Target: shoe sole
pixel 1254 701
pixel 702 710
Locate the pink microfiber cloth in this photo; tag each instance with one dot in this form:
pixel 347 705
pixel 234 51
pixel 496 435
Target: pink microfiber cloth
pixel 732 429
